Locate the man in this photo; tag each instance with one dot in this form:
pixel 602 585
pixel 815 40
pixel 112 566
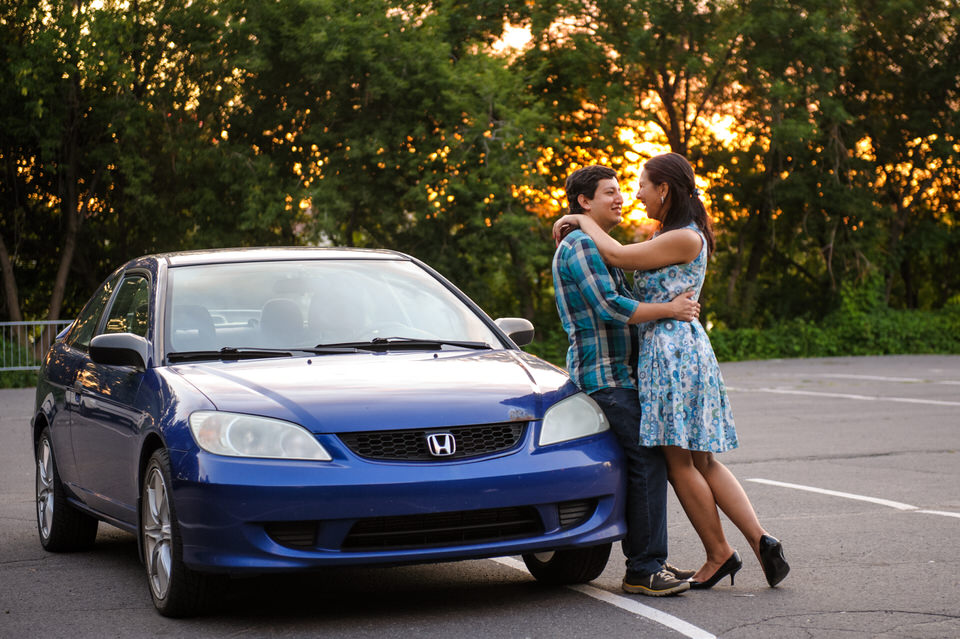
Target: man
pixel 599 314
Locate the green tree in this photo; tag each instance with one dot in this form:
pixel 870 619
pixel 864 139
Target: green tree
pixel 48 182
pixel 782 193
pixel 904 89
pixel 132 128
pixel 116 141
pixel 400 137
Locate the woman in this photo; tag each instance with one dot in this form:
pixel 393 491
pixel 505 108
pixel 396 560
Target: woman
pixel 684 402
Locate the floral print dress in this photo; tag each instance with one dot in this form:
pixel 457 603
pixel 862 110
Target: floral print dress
pixel 682 394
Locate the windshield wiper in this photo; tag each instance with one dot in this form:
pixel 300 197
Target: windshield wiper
pixel 406 343
pixel 226 353
pixel 331 349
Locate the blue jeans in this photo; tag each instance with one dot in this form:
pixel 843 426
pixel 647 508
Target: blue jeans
pixel 646 542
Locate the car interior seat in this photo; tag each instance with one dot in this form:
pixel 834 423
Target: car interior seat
pixel 192 329
pixel 335 316
pixel 281 323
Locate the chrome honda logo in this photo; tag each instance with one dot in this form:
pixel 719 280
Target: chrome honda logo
pixel 441 444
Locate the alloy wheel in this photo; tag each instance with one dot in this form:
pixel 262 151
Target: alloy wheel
pixel 45 488
pixel 157 537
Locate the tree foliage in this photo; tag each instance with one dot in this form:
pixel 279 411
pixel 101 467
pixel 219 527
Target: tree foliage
pixel 826 133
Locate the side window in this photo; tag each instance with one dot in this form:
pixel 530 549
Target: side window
pixel 130 308
pixel 82 331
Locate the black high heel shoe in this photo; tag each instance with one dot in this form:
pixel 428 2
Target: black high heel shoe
pixel 729 567
pixel 775 567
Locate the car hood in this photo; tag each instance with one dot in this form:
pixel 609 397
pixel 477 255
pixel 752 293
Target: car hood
pixel 379 391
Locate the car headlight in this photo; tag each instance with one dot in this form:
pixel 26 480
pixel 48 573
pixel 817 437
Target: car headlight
pixel 238 435
pixel 571 418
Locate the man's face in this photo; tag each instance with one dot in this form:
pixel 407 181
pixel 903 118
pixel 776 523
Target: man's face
pixel 606 206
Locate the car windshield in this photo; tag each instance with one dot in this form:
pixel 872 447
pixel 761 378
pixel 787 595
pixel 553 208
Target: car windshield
pixel 303 305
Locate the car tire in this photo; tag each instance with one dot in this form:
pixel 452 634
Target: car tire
pixel 62 527
pixel 572 566
pixel 176 590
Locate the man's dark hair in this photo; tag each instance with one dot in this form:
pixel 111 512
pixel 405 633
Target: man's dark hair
pixel 584 181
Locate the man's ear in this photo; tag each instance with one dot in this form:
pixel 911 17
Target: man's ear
pixel 584 202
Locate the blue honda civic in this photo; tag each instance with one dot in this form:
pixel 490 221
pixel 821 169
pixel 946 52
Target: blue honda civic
pixel 245 411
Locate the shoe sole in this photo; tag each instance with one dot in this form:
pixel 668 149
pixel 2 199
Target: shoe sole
pixel 643 590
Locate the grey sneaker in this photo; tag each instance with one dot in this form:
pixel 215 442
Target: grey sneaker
pixel 659 584
pixel 677 572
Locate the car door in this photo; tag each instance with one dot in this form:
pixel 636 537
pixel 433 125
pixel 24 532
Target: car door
pixel 63 370
pixel 106 421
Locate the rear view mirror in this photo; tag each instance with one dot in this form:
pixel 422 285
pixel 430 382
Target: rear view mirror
pixel 518 329
pixel 119 349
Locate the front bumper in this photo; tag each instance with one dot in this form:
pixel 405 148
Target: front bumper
pixel 248 516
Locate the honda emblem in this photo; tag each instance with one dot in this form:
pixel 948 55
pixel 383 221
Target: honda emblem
pixel 441 444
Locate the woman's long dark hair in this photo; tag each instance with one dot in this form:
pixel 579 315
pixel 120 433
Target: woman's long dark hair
pixel 676 172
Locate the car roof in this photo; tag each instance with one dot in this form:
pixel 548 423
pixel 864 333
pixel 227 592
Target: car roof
pixel 268 254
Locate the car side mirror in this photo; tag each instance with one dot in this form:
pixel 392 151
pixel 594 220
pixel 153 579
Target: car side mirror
pixel 518 329
pixel 120 349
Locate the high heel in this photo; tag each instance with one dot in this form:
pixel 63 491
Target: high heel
pixel 775 567
pixel 729 567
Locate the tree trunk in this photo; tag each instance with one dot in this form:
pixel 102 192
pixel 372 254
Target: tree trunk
pixel 66 259
pixel 736 270
pixel 70 205
pixel 758 249
pixel 10 292
pixel 897 227
pixel 522 283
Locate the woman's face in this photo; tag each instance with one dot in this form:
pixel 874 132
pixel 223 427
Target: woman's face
pixel 649 196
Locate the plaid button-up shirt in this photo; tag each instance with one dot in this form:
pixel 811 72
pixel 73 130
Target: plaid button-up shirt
pixel 594 303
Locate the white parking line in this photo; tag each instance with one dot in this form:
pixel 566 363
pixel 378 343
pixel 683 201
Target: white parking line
pixel 879 378
pixel 940 512
pixel 876 378
pixel 871 398
pixel 685 628
pixel 836 493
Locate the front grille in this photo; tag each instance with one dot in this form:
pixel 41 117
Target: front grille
pixel 574 513
pixel 293 534
pixel 444 529
pixel 411 445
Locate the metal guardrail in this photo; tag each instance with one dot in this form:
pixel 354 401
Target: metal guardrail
pixel 23 344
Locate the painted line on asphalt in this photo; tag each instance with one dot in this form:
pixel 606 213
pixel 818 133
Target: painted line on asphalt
pixel 879 378
pixel 870 398
pixel 685 628
pixel 836 493
pixel 940 512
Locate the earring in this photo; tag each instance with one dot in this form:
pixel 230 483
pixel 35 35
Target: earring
pixel 661 199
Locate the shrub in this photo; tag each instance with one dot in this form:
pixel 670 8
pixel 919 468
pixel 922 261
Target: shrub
pixel 13 354
pixel 880 331
pixel 848 331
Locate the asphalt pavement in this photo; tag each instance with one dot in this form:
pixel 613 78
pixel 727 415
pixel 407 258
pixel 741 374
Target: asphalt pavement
pixel 853 462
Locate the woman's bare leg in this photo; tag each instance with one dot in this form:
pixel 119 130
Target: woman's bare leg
pixel 730 497
pixel 697 498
